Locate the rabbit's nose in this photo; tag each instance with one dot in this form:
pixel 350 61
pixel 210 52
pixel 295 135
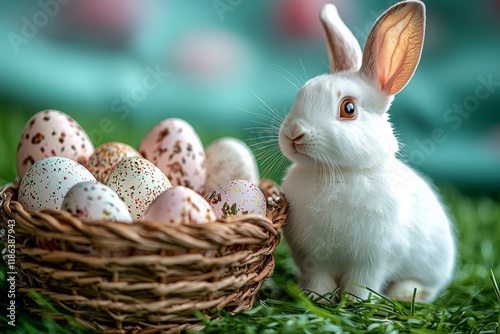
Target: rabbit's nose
pixel 298 137
pixel 295 131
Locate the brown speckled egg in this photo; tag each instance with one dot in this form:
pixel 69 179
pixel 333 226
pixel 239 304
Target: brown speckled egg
pixel 138 182
pixel 176 149
pixel 106 156
pixel 48 180
pixel 52 133
pixel 237 197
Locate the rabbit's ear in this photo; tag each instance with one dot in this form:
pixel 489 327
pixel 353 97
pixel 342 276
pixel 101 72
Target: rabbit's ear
pixel 343 48
pixel 393 48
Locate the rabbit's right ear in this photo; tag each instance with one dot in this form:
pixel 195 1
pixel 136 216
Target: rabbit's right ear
pixel 393 48
pixel 343 48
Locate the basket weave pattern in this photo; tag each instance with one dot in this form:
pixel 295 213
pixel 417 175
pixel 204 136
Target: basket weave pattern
pixel 184 268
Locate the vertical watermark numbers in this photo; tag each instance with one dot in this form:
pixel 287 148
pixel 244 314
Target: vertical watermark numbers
pixel 10 259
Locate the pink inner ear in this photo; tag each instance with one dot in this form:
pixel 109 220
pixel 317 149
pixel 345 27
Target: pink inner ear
pixel 393 48
pixel 402 41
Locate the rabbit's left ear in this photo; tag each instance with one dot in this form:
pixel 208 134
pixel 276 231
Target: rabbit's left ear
pixel 343 48
pixel 394 45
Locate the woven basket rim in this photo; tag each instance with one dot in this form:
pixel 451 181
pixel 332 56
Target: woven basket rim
pixel 60 224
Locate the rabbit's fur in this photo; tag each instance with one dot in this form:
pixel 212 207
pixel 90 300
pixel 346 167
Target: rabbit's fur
pixel 358 216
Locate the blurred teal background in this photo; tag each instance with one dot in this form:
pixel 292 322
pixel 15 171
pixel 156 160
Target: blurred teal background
pixel 120 66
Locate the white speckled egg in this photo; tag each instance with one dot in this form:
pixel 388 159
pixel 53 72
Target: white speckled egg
pixel 90 201
pixel 180 206
pixel 230 159
pixel 52 133
pixel 106 156
pixel 138 182
pixel 48 180
pixel 237 197
pixel 176 149
pixel 95 201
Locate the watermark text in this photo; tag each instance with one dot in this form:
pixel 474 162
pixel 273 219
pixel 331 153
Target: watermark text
pixel 11 271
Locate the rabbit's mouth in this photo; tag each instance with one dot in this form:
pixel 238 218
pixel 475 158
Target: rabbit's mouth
pixel 297 142
pixel 299 147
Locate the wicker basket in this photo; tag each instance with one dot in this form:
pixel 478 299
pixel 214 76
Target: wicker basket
pixel 147 293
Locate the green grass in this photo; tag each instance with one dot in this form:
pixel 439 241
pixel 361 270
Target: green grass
pixel 471 304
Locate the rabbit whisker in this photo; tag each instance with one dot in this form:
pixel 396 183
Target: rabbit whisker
pixel 291 83
pixel 303 68
pixel 301 83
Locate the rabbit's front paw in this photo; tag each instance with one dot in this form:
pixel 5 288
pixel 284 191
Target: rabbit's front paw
pixel 404 290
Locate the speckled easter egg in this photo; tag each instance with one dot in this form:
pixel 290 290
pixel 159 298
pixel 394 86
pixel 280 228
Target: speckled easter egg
pixel 230 159
pixel 237 197
pixel 48 180
pixel 180 206
pixel 95 201
pixel 138 182
pixel 106 156
pixel 176 149
pixel 90 201
pixel 52 133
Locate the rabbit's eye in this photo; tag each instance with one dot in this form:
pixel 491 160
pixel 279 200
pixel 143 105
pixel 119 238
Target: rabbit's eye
pixel 348 109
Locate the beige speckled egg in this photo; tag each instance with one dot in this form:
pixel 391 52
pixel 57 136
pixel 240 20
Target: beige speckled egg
pixel 237 197
pixel 52 133
pixel 138 182
pixel 230 159
pixel 180 206
pixel 95 201
pixel 48 180
pixel 106 156
pixel 176 149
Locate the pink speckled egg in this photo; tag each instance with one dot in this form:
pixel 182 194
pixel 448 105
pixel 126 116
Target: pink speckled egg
pixel 95 201
pixel 138 182
pixel 52 133
pixel 106 156
pixel 230 159
pixel 237 197
pixel 180 206
pixel 48 180
pixel 176 149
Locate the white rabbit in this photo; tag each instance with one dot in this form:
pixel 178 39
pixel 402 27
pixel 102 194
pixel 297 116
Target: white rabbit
pixel 359 217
